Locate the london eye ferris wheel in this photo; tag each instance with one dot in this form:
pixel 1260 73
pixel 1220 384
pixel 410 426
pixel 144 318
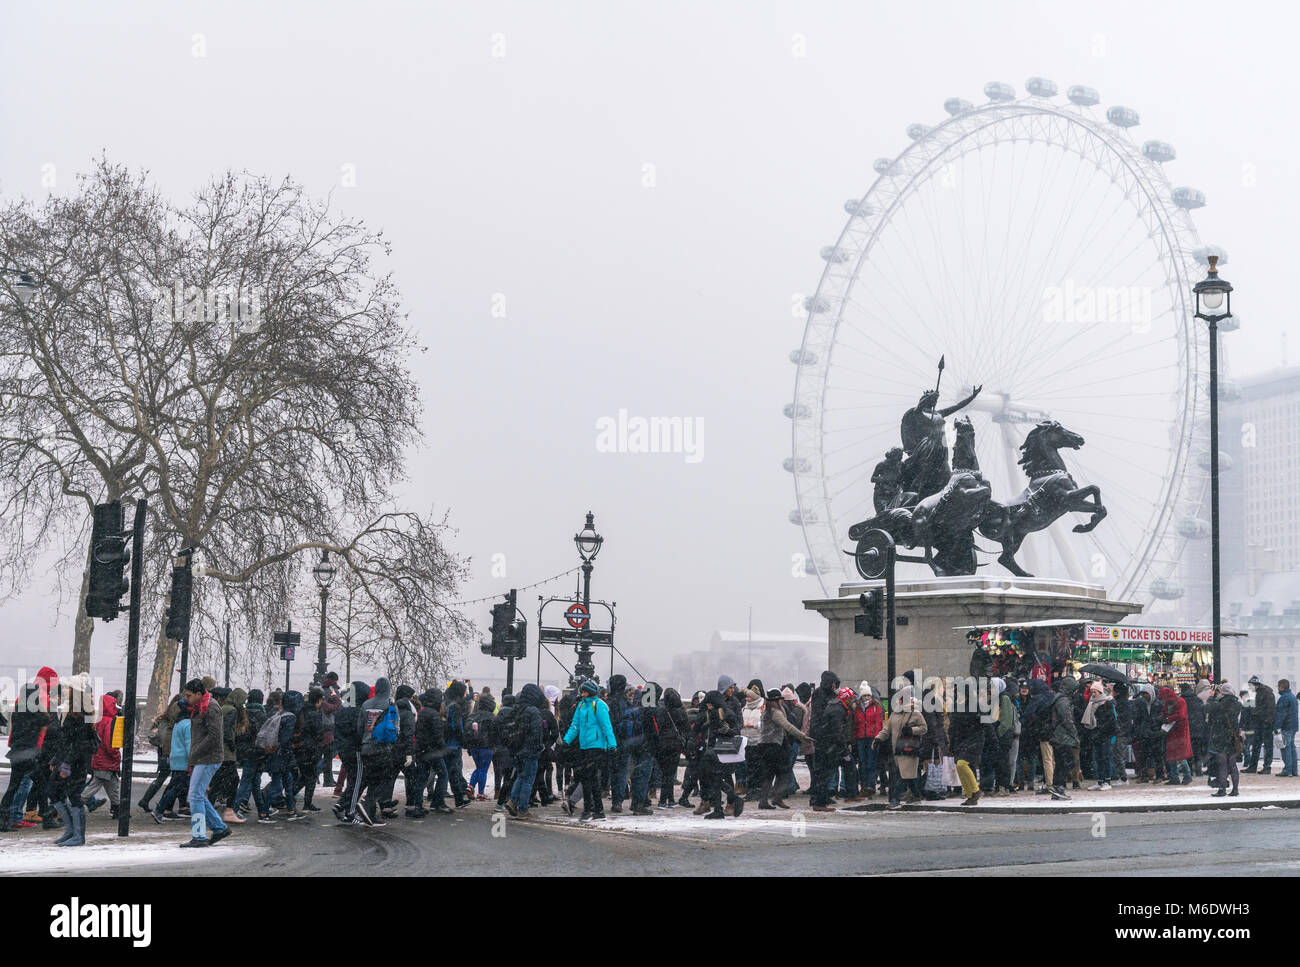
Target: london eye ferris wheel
pixel 1044 252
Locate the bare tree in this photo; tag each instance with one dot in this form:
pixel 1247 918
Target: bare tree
pixel 237 361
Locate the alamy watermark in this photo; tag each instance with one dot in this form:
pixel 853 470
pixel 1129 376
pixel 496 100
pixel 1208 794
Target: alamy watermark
pixel 242 306
pixel 1127 305
pixel 655 434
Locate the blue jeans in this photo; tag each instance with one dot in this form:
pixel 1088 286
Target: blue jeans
pixel 1101 759
pixel 250 783
pixel 642 765
pixel 203 815
pixel 1288 754
pixel 525 776
pixel 482 762
pixel 19 804
pixel 867 764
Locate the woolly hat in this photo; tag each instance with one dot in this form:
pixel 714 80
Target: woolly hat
pixel 589 687
pixel 551 692
pixel 864 687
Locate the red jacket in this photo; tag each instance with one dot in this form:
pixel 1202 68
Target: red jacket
pixel 1178 741
pixel 868 722
pixel 106 758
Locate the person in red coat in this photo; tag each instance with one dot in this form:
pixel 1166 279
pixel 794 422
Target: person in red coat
pixel 106 764
pixel 1178 738
pixel 868 720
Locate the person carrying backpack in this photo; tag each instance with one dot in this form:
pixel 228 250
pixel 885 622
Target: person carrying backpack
pixel 251 760
pixel 307 748
pixel 456 701
pixel 527 735
pixel 429 749
pixel 378 728
pixel 481 746
pixel 349 741
pixel 505 738
pixel 592 730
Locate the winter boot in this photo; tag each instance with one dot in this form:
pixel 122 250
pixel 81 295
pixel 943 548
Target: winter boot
pixel 69 830
pixel 78 816
pixel 92 804
pixel 52 821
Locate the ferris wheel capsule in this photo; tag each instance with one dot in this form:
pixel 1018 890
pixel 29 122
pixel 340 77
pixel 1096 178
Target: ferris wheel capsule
pixel 917 131
pixel 1188 198
pixel 833 253
pixel 957 105
pixel 1083 96
pixel 1159 151
pixel 1040 87
pixel 803 357
pixel 859 208
pixel 883 166
pixel 796 412
pixel 1167 589
pixel 1123 117
pixel 997 91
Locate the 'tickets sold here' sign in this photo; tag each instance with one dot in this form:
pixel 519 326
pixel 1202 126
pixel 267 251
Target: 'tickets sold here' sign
pixel 1133 634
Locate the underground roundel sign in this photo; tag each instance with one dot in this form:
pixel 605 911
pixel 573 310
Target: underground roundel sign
pixel 577 615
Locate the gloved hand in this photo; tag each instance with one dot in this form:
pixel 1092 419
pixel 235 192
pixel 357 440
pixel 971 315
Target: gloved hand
pixel 409 761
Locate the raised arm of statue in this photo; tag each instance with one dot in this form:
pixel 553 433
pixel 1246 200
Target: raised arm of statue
pixel 964 403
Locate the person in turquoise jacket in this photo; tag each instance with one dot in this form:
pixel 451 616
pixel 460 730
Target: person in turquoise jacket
pixel 179 763
pixel 595 735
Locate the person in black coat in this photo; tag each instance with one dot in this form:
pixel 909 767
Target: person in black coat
pixel 428 750
pixel 671 726
pixel 1123 734
pixel 1198 729
pixel 825 755
pixel 1262 738
pixel 718 723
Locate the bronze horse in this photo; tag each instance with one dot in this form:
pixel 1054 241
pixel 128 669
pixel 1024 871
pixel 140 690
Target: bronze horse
pixel 1051 493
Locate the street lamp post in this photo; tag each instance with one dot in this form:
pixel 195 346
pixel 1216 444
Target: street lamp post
pixel 589 544
pixel 1214 304
pixel 324 575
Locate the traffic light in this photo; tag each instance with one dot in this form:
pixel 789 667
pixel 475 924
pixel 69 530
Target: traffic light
pixel 509 636
pixel 109 556
pixel 178 612
pixel 872 620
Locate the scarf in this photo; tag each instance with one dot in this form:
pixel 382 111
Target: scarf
pixel 1090 713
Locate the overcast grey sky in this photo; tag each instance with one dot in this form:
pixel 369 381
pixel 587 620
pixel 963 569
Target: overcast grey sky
pixel 503 149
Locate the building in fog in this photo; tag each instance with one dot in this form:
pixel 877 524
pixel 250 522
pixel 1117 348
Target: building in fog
pixel 774 658
pixel 1260 524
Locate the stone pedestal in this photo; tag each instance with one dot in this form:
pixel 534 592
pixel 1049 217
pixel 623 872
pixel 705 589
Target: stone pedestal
pixel 928 610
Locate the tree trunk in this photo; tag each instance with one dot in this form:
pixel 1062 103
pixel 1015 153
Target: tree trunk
pixel 84 628
pixel 160 681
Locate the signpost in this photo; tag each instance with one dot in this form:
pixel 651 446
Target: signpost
pixel 287 642
pixel 577 615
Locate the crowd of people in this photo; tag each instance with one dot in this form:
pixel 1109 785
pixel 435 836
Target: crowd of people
pixel 229 755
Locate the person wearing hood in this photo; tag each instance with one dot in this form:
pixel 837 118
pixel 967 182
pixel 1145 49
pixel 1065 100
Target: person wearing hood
pixel 593 731
pixel 403 752
pixel 1265 714
pixel 1102 723
pixel 1225 735
pixel 456 711
pixel 429 750
pixel 1035 720
pixel 671 728
pixel 1197 726
pixel 307 741
pixel 826 754
pixel 716 729
pixel 330 703
pixel 206 755
pixel 1064 736
pixel 235 728
pixel 349 743
pixel 106 765
pixel 377 727
pixel 485 710
pixel 1178 742
pixel 503 757
pixel 1123 733
pixel 283 763
pixel 619 759
pixel 543 791
pixel 251 761
pixel 27 729
pixel 529 712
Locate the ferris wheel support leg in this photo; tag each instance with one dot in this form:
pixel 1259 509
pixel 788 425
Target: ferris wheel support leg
pixel 1068 556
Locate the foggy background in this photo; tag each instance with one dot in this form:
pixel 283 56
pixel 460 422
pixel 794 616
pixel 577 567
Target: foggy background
pixel 503 149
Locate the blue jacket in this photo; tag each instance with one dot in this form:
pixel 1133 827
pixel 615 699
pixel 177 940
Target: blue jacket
pixel 1284 719
pixel 180 751
pixel 591 725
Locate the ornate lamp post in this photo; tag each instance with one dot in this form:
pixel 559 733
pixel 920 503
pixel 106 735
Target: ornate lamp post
pixel 588 543
pixel 1214 304
pixel 324 575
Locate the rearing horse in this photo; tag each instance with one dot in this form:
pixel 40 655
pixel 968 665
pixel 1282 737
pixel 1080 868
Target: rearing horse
pixel 1051 493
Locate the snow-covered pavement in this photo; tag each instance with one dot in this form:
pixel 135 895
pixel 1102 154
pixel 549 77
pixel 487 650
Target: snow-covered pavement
pixel 105 851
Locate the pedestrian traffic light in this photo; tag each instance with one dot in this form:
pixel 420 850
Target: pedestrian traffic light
pixel 178 611
pixel 109 556
pixel 872 620
pixel 509 636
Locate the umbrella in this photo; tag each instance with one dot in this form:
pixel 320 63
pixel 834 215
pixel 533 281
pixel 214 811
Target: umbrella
pixel 1106 672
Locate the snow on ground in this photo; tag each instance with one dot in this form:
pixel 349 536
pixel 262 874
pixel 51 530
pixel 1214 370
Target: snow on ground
pixel 104 851
pixel 1254 789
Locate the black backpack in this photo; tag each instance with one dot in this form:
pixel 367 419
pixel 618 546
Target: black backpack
pixel 509 728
